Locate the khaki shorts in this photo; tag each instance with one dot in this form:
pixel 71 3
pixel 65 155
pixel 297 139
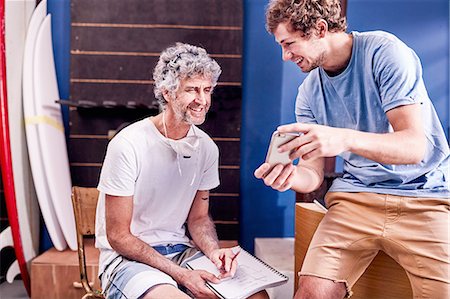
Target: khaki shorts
pixel 413 231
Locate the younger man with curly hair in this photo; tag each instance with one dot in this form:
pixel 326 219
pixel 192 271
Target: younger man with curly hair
pixel 364 100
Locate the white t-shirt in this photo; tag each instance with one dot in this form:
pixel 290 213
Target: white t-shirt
pixel 139 162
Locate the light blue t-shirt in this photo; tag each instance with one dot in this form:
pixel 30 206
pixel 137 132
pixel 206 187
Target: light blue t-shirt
pixel 383 73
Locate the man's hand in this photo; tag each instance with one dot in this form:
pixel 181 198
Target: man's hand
pixel 316 141
pixel 195 281
pixel 225 260
pixel 279 177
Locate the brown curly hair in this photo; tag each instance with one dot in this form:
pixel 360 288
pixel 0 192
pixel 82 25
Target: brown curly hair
pixel 302 15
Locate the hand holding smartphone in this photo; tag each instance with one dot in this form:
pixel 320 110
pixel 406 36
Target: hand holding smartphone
pixel 273 156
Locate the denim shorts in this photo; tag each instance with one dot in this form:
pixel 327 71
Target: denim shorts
pixel 126 279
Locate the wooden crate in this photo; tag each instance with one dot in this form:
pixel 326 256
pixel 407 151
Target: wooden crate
pixel 55 274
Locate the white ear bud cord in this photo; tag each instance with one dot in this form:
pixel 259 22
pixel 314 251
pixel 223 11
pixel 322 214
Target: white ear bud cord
pixel 178 154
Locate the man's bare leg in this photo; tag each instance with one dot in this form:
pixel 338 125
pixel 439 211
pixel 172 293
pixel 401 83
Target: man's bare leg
pixel 312 287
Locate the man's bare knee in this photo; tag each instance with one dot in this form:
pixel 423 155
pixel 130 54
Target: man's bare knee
pixel 260 295
pixel 165 291
pixel 312 287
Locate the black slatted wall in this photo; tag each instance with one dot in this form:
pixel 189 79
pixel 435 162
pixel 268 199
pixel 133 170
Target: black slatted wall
pixel 114 48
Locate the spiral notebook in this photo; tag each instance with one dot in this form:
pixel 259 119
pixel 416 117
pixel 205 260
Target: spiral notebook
pixel 252 276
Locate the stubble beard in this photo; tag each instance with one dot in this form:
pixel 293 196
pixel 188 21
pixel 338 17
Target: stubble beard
pixel 316 63
pixel 182 114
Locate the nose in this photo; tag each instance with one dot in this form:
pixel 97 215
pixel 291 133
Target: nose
pixel 286 55
pixel 201 98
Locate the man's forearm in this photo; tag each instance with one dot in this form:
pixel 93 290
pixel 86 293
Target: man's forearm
pixel 204 234
pixel 306 179
pixel 135 249
pixel 403 147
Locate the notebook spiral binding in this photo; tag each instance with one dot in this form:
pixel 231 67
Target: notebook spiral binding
pixel 265 264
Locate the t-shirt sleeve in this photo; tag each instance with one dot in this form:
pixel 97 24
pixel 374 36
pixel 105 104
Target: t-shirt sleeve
pixel 210 178
pixel 119 170
pixel 398 73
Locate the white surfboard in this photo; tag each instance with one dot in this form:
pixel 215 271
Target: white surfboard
pixel 51 132
pixel 34 149
pixel 17 16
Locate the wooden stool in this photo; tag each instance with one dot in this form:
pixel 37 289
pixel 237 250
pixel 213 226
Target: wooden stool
pixel 384 278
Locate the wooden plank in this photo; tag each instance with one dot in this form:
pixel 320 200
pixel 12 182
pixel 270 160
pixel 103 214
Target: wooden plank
pixel 229 181
pixel 87 176
pixel 212 12
pixel 87 150
pixel 228 231
pixel 97 121
pixel 224 208
pixel 119 93
pixel 92 150
pixel 153 39
pixel 137 67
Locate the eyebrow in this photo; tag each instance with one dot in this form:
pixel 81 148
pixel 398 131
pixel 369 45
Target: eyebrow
pixel 283 41
pixel 196 86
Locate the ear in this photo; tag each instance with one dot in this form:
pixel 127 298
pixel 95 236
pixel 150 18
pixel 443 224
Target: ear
pixel 321 28
pixel 166 95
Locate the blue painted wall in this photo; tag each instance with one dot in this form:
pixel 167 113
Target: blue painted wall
pixel 263 211
pixel 269 89
pixel 60 11
pixel 423 26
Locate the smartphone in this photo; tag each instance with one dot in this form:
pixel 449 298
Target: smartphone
pixel 273 156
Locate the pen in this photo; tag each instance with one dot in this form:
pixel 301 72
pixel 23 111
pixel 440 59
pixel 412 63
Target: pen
pixel 235 256
pixel 320 205
pixel 232 259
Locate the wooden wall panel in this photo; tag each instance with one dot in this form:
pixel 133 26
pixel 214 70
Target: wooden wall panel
pixel 138 67
pixel 141 39
pixel 174 12
pixel 114 48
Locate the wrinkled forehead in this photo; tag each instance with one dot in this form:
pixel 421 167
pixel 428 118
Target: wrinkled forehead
pixel 196 80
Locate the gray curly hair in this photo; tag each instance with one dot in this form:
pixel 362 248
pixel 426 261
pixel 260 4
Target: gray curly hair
pixel 180 62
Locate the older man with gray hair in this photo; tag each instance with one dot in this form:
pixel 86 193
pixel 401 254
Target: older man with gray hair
pixel 155 183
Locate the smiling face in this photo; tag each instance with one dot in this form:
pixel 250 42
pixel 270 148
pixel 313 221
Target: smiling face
pixel 192 100
pixel 305 51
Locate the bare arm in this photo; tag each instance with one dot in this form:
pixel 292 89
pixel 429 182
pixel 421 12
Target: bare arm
pixel 118 213
pixel 200 225
pixel 204 235
pixel 406 145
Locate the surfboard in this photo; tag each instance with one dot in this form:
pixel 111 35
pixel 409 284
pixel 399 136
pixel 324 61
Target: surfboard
pixel 7 241
pixel 5 158
pixel 51 132
pixel 17 16
pixel 31 119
